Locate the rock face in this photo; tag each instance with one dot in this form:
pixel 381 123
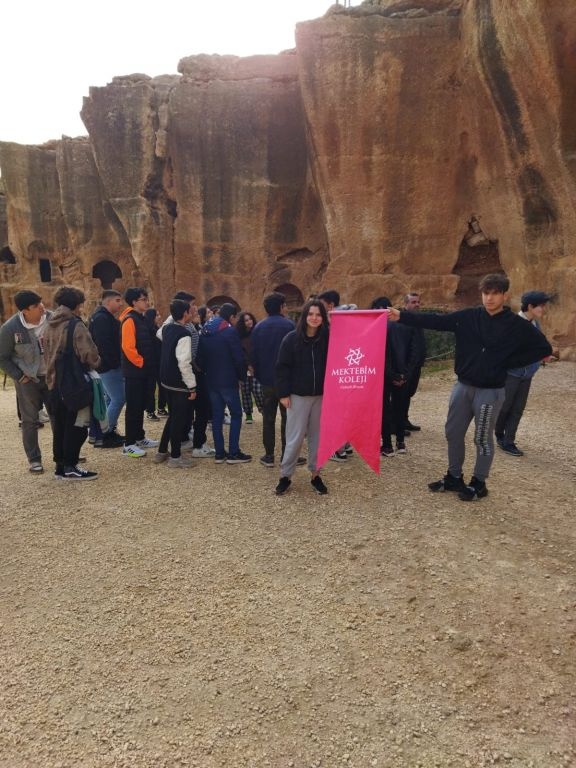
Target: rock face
pixel 401 146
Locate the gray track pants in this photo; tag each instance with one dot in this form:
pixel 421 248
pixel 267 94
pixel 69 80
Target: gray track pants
pixel 31 397
pixel 482 405
pixel 303 420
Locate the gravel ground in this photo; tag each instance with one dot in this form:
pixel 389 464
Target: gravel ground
pixel 166 618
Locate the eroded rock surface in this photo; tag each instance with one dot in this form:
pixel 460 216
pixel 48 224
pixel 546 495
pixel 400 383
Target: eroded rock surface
pixel 402 145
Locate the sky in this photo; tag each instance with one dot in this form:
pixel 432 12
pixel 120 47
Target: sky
pixel 54 50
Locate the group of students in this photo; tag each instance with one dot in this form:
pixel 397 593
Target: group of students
pixel 231 360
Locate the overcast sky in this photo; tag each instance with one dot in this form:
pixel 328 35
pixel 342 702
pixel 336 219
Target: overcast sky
pixel 54 50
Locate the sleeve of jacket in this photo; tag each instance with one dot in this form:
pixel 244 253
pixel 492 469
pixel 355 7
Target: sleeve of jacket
pixel 284 365
pixel 237 354
pixel 534 347
pixel 7 351
pixel 84 347
pixel 184 359
pixel 129 343
pixel 433 320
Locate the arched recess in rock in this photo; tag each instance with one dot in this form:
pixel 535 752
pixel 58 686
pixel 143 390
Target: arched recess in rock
pixel 45 270
pixel 6 256
pixel 217 301
pixel 106 271
pixel 478 255
pixel 294 297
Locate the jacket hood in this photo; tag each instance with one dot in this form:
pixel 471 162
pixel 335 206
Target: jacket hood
pixel 60 316
pixel 215 325
pixel 125 312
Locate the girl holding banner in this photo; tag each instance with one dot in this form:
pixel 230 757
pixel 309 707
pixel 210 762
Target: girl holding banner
pixel 300 373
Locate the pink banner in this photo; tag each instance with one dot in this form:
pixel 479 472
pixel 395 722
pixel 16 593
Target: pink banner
pixel 354 385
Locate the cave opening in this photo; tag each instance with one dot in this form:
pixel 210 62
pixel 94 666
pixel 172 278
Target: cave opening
pixel 217 301
pixel 45 267
pixel 294 298
pixel 478 255
pixel 6 256
pixel 106 271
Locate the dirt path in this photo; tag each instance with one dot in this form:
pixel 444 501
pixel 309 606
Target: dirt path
pixel 163 618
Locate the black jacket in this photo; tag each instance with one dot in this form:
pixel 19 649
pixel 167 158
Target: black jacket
pixel 486 345
pixel 105 331
pixel 145 345
pixel 301 365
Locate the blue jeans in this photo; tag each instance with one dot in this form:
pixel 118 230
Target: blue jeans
pixel 227 396
pixel 113 382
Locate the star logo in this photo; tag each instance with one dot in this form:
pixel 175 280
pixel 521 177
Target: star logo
pixel 354 356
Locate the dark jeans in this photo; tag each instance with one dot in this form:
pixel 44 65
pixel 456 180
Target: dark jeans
pixel 67 440
pixel 137 390
pixel 220 398
pixel 270 407
pixel 178 407
pixel 516 395
pixel 201 412
pixel 393 414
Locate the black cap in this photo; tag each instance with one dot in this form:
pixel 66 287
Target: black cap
pixel 536 298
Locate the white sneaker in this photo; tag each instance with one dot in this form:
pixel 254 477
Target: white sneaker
pixel 134 451
pixel 146 443
pixel 227 419
pixel 43 417
pixel 203 453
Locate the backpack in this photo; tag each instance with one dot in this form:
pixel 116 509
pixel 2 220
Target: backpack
pixel 74 387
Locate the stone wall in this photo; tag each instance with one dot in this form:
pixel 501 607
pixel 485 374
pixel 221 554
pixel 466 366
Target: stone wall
pixel 400 146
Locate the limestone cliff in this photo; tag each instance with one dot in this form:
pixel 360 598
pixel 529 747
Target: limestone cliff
pixel 402 145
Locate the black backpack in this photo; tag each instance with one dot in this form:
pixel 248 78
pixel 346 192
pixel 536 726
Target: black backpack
pixel 73 385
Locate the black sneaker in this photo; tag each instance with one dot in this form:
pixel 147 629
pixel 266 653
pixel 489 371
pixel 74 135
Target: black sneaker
pixel 475 490
pixel 75 473
pixel 448 483
pixel 318 485
pixel 238 458
pixel 510 448
pixel 59 472
pixel 411 427
pixel 283 485
pixel 110 440
pixel 387 450
pixel 348 449
pixel 267 460
pixel 151 416
pixel 400 447
pixel 338 456
pixel 220 458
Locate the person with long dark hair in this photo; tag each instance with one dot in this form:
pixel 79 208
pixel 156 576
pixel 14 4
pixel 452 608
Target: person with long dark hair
pixel 250 388
pixel 300 373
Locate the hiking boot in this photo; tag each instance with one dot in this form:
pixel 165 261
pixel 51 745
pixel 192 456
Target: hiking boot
pixel 179 463
pixel 151 416
pixel 146 443
pixel 238 458
pixel 283 485
pixel 510 448
pixel 338 456
pixel 318 485
pixel 267 461
pixel 448 483
pixel 400 447
pixel 75 473
pixel 475 490
pixel 133 451
pixel 158 457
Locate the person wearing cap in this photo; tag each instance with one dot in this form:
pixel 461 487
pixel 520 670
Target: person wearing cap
pixel 22 358
pixel 519 380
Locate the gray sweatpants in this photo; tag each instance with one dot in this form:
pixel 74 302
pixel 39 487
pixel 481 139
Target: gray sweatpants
pixel 31 397
pixel 482 405
pixel 303 420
